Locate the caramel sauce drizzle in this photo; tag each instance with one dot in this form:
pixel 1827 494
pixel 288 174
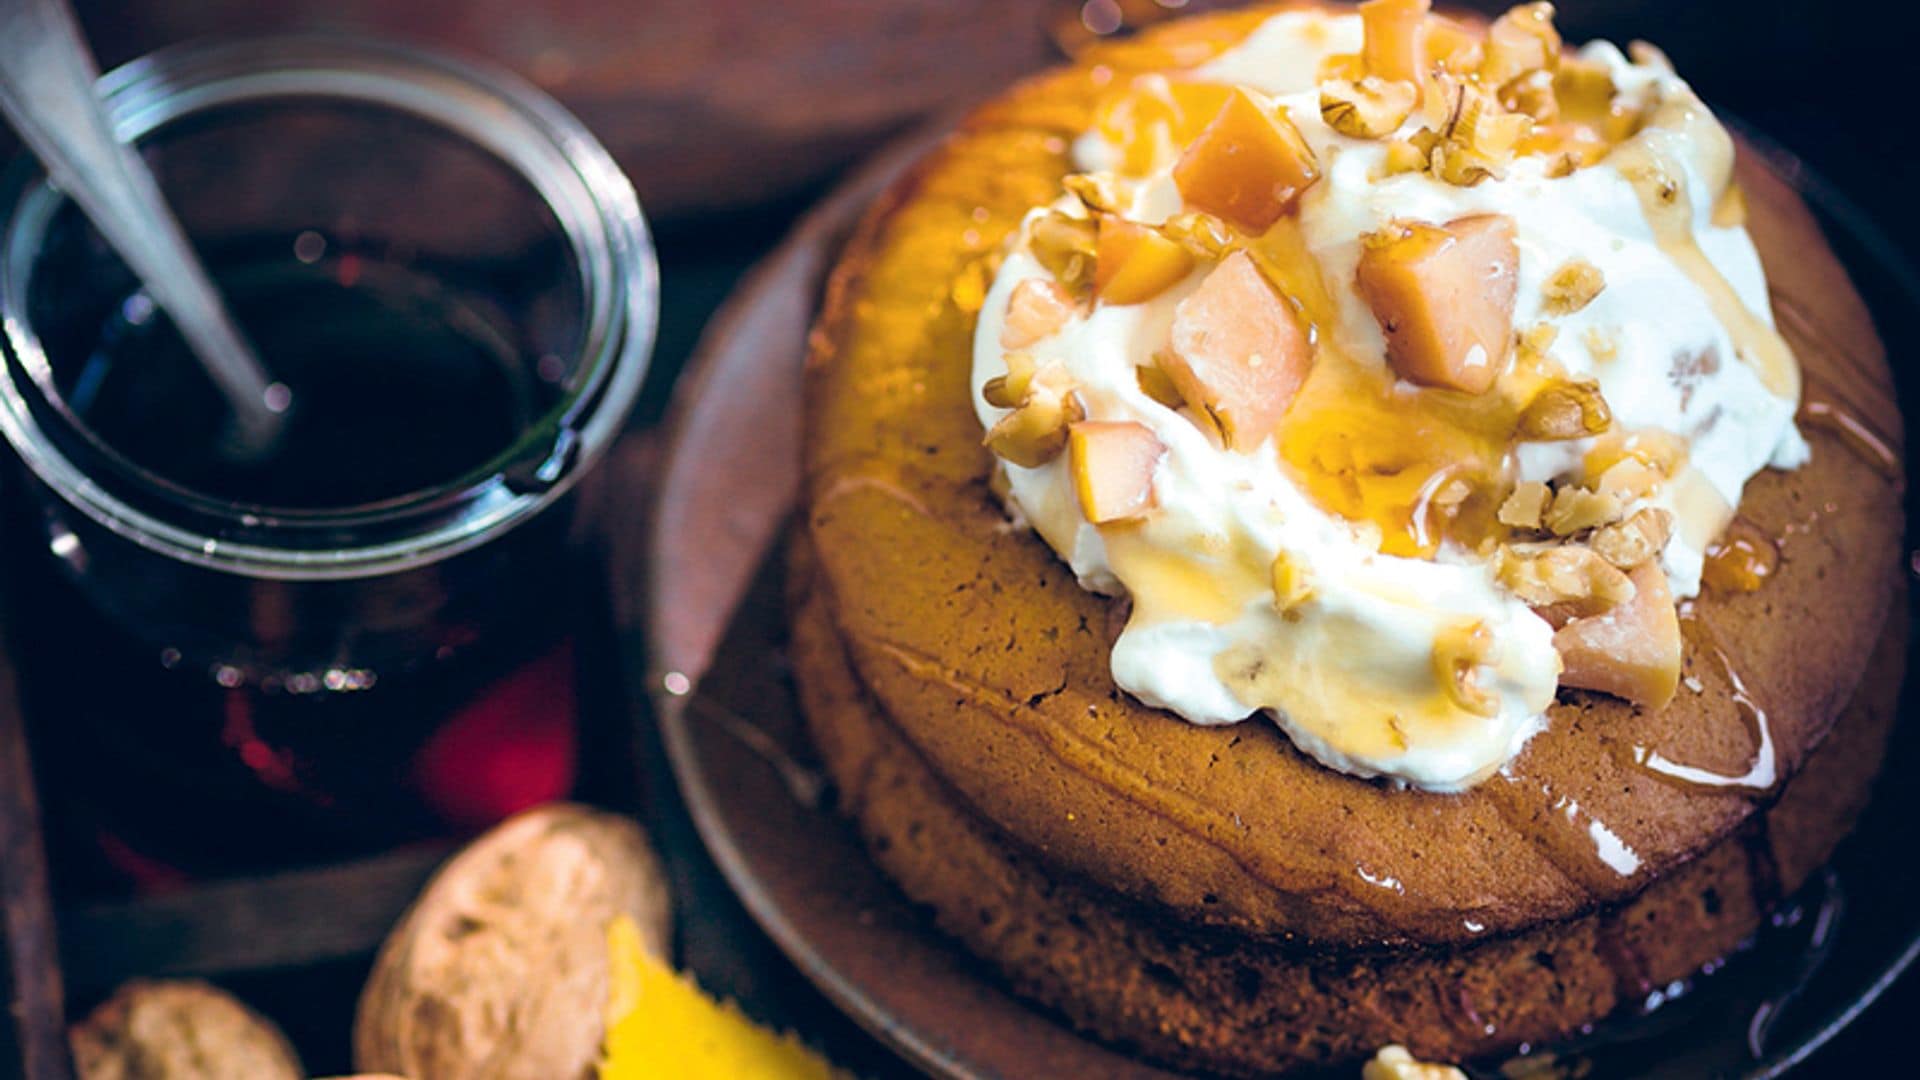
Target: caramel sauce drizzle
pixel 1568 835
pixel 1763 772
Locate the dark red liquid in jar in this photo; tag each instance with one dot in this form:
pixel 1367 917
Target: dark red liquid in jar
pixel 400 382
pixel 158 763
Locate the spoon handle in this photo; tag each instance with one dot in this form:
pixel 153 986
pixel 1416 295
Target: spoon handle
pixel 47 81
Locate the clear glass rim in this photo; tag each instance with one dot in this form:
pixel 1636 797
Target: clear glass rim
pixel 597 212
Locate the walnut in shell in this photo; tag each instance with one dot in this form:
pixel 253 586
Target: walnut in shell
pixel 179 1030
pixel 500 970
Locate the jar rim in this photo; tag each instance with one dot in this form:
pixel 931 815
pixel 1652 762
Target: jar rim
pixel 593 205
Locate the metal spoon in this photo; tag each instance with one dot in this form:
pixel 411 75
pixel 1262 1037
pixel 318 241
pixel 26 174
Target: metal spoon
pixel 46 91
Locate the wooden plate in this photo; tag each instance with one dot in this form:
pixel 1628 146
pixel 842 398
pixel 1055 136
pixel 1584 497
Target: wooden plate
pixel 716 628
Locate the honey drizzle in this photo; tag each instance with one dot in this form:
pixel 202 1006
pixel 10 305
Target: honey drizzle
pixel 1859 436
pixel 1763 774
pixel 1565 833
pixel 1848 376
pixel 1741 559
pixel 1664 201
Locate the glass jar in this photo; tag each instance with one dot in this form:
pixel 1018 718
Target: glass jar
pixel 458 282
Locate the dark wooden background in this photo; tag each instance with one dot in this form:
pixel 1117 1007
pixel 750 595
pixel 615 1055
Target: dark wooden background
pixel 731 115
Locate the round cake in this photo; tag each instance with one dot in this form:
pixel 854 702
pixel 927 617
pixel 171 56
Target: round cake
pixel 1327 528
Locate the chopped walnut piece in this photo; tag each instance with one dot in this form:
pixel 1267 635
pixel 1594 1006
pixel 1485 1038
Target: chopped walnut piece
pixel 1249 166
pixel 1565 410
pixel 1635 540
pixel 1602 344
pixel 1099 192
pixel 1535 340
pixel 1573 286
pixel 1036 310
pixel 1112 463
pixel 1562 163
pixel 1443 296
pixel 1203 234
pixel 1577 509
pixel 1632 651
pixel 1291 585
pixel 1458 653
pixel 1662 452
pixel 1405 156
pixel 1453 47
pixel 1371 108
pixel 1521 41
pixel 1527 506
pixel 1440 103
pixel 1009 391
pixel 1563 582
pixel 1396 1063
pixel 1064 245
pixel 1479 138
pixel 1458 167
pixel 1036 432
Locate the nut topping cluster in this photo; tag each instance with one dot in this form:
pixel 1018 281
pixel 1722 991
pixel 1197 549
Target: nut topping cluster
pixel 1482 100
pixel 1247 313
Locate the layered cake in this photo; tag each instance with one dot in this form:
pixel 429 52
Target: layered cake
pixel 1335 527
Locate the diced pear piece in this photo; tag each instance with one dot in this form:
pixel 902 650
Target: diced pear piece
pixel 1444 296
pixel 1248 167
pixel 1134 263
pixel 1631 651
pixel 1037 309
pixel 1112 462
pixel 1394 47
pixel 1238 353
pixel 1064 245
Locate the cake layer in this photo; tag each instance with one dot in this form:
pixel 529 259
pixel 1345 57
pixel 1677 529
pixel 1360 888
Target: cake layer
pixel 993 663
pixel 1221 1002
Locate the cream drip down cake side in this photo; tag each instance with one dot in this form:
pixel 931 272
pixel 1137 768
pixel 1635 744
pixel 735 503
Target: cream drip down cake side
pixel 1312 511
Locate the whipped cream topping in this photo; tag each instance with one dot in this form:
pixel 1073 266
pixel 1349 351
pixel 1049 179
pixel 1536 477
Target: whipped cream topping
pixel 1679 341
